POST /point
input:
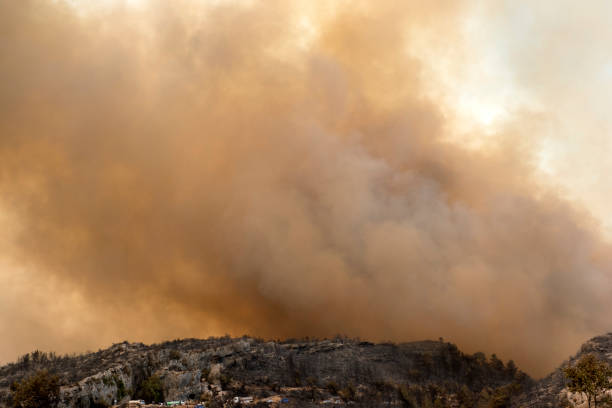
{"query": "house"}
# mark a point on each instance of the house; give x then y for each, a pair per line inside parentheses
(243, 400)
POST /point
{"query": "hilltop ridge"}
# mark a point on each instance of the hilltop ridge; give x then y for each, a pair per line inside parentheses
(551, 391)
(308, 372)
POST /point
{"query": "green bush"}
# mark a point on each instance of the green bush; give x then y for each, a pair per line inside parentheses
(466, 396)
(121, 391)
(151, 389)
(39, 390)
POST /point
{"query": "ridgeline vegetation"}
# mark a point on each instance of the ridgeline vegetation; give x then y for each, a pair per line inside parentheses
(307, 371)
(589, 376)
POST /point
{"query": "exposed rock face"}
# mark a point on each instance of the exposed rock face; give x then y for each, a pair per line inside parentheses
(552, 390)
(309, 372)
(306, 371)
(102, 387)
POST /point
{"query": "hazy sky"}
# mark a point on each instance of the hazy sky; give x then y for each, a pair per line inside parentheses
(382, 169)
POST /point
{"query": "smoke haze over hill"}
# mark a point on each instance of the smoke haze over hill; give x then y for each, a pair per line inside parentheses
(192, 168)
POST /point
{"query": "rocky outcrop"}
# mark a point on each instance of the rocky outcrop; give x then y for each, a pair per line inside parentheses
(309, 371)
(552, 390)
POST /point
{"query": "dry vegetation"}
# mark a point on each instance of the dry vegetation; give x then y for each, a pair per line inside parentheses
(306, 371)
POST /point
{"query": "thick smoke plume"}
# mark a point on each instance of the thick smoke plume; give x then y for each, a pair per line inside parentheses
(192, 169)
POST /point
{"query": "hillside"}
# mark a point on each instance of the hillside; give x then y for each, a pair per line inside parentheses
(307, 372)
(551, 391)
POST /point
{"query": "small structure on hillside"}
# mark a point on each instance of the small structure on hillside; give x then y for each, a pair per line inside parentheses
(243, 400)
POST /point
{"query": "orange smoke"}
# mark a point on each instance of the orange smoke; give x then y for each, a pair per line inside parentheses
(192, 169)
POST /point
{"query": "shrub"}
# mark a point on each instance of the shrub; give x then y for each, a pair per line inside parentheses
(348, 393)
(332, 386)
(39, 390)
(465, 396)
(151, 389)
(225, 380)
(409, 396)
(174, 355)
(121, 391)
(312, 381)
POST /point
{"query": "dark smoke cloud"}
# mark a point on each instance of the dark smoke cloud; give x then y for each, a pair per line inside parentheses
(191, 170)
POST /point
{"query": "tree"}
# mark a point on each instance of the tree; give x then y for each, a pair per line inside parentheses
(39, 390)
(151, 389)
(589, 376)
